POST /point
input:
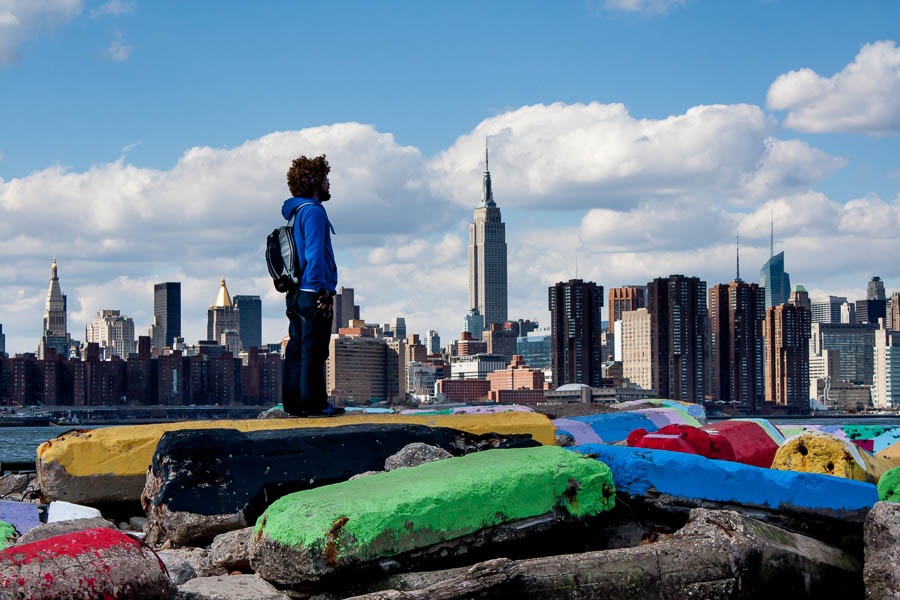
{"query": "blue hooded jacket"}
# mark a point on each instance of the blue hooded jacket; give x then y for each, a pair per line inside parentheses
(312, 233)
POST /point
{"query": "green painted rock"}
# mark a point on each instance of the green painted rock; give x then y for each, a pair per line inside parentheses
(889, 486)
(311, 534)
(7, 534)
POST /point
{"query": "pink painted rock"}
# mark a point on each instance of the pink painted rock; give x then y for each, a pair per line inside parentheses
(94, 563)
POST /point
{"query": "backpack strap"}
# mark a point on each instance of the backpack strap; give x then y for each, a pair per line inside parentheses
(297, 210)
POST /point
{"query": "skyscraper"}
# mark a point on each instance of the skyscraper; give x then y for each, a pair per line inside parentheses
(166, 314)
(635, 336)
(622, 300)
(886, 380)
(772, 277)
(55, 333)
(222, 318)
(827, 310)
(2, 340)
(575, 326)
(487, 257)
(112, 332)
(736, 316)
(677, 306)
(787, 333)
(399, 328)
(249, 309)
(433, 342)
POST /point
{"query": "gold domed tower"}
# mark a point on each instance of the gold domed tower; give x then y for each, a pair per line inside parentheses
(222, 323)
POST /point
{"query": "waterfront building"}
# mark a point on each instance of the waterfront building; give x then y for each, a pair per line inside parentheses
(55, 336)
(517, 376)
(854, 342)
(886, 377)
(827, 310)
(787, 331)
(476, 366)
(487, 257)
(635, 337)
(222, 317)
(166, 315)
(422, 377)
(677, 307)
(824, 372)
(357, 369)
(576, 327)
(736, 315)
(112, 332)
(622, 300)
(249, 310)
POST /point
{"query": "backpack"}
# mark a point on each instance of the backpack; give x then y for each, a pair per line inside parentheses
(281, 255)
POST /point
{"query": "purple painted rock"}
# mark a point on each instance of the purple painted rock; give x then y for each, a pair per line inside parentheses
(95, 563)
(21, 515)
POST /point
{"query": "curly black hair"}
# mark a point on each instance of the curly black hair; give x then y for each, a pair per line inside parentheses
(305, 175)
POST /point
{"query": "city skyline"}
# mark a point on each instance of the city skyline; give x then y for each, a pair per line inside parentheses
(614, 171)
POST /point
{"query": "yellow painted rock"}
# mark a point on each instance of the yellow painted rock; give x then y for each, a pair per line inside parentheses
(891, 454)
(817, 452)
(109, 464)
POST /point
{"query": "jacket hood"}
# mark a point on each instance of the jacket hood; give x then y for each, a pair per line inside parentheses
(291, 204)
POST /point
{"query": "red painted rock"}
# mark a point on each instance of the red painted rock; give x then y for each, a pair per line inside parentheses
(95, 563)
(685, 438)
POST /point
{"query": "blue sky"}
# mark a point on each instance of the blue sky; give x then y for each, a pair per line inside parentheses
(147, 141)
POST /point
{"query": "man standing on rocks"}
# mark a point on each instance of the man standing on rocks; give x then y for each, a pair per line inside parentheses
(309, 306)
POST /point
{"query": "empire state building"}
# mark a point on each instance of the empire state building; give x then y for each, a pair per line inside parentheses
(487, 257)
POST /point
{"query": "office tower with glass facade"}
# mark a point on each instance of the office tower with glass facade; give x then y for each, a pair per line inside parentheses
(474, 323)
(166, 314)
(487, 257)
(736, 315)
(433, 342)
(249, 309)
(677, 307)
(575, 325)
(776, 282)
(854, 342)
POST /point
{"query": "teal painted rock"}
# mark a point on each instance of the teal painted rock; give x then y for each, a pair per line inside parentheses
(889, 486)
(311, 534)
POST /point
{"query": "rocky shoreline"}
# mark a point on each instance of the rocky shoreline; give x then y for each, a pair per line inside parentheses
(427, 510)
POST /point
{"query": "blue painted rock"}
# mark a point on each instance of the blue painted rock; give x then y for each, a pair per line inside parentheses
(692, 480)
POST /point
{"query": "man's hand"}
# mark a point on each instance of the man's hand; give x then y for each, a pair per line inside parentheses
(324, 300)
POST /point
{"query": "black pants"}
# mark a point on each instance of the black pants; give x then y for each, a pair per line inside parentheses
(303, 388)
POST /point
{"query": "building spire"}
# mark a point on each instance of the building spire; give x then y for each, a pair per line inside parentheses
(772, 236)
(487, 194)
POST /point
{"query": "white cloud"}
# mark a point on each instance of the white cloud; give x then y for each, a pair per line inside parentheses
(576, 156)
(118, 50)
(21, 20)
(113, 8)
(645, 7)
(862, 98)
